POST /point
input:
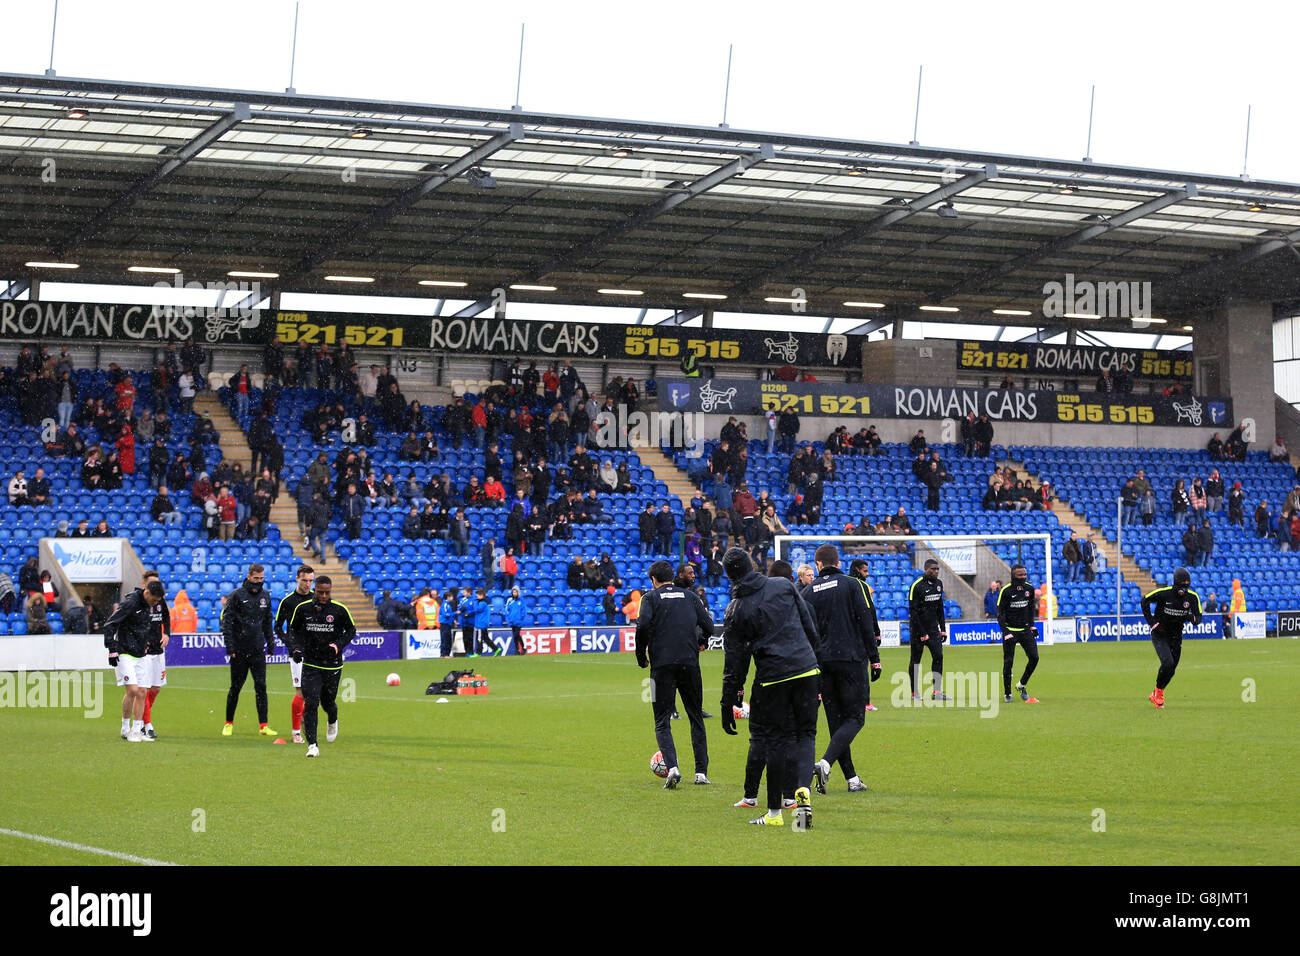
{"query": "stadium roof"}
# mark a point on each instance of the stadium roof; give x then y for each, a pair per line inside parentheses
(211, 181)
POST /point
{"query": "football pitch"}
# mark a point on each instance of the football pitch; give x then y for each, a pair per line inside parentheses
(553, 768)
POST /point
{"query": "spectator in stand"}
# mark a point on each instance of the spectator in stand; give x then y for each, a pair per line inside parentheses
(900, 521)
(917, 446)
(509, 569)
(1140, 482)
(320, 523)
(665, 528)
(722, 527)
(1105, 384)
(102, 530)
(411, 527)
(1276, 453)
(1073, 556)
(227, 506)
(769, 420)
(1206, 543)
(18, 490)
(38, 489)
(646, 528)
(1179, 501)
(787, 427)
(241, 385)
(795, 512)
(1129, 501)
(968, 434)
(458, 533)
(1089, 551)
(991, 599)
(826, 467)
(1191, 545)
(1214, 447)
(250, 529)
(934, 480)
(353, 506)
(746, 508)
(1214, 493)
(1147, 508)
(1263, 520)
(1212, 605)
(992, 497)
(162, 509)
(1236, 505)
(125, 396)
(1199, 500)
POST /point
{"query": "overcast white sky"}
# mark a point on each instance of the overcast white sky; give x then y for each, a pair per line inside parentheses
(1173, 80)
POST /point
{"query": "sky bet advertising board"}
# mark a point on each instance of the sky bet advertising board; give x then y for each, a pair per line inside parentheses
(1133, 627)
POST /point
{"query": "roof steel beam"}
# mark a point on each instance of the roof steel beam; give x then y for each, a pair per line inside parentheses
(174, 162)
(1048, 249)
(358, 228)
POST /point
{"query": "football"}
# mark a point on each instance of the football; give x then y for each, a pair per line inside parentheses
(657, 764)
(394, 680)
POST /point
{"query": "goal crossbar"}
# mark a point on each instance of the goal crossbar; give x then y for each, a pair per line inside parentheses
(935, 542)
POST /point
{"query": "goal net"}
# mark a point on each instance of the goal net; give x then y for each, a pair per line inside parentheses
(968, 565)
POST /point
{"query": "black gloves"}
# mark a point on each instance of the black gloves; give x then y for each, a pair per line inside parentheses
(728, 719)
(642, 662)
(875, 672)
(112, 658)
(296, 655)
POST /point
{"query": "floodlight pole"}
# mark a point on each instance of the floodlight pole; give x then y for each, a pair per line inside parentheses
(1092, 101)
(293, 51)
(1247, 154)
(916, 118)
(519, 70)
(726, 90)
(54, 27)
(1119, 578)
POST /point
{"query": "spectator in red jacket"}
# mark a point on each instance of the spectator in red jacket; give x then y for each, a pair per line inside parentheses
(125, 391)
(496, 493)
(126, 450)
(509, 568)
(227, 507)
(478, 417)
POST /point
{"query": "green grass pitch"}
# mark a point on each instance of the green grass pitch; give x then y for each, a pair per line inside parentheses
(553, 768)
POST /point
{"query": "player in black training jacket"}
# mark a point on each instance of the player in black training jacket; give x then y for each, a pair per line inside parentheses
(1017, 611)
(301, 594)
(768, 621)
(318, 632)
(928, 627)
(1168, 610)
(756, 760)
(846, 639)
(671, 630)
(126, 636)
(858, 571)
(247, 631)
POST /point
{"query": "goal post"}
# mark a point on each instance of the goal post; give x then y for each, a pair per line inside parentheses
(958, 551)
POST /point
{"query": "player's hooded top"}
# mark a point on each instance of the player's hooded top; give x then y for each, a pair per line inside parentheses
(246, 620)
(160, 622)
(844, 620)
(871, 607)
(1016, 607)
(127, 629)
(1167, 610)
(925, 606)
(769, 621)
(315, 626)
(288, 604)
(666, 627)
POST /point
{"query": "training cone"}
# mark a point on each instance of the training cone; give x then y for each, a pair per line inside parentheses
(279, 740)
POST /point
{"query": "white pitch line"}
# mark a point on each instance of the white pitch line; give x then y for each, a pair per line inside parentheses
(425, 698)
(126, 857)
